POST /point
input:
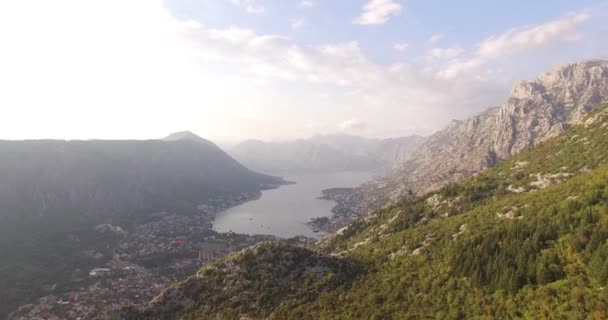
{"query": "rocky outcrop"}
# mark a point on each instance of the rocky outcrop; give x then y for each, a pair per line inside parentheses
(535, 110)
(543, 108)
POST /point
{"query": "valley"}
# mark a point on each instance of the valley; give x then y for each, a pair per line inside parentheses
(135, 229)
(127, 260)
(303, 160)
(134, 265)
(518, 234)
(499, 244)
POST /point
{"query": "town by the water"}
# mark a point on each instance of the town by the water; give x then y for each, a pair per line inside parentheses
(142, 263)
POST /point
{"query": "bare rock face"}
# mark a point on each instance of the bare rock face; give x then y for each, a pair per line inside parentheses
(536, 110)
(543, 108)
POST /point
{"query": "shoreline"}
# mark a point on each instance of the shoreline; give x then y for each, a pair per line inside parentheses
(143, 260)
(342, 214)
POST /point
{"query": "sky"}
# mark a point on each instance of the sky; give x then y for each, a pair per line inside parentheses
(230, 70)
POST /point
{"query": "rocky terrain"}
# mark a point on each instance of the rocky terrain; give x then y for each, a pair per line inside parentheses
(535, 110)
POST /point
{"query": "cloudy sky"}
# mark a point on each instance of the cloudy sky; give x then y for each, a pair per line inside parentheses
(274, 69)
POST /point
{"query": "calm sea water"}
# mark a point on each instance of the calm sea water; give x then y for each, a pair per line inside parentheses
(284, 211)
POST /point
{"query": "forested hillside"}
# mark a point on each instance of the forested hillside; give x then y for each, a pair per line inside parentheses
(525, 239)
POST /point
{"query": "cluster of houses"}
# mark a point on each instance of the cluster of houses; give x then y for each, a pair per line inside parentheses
(177, 244)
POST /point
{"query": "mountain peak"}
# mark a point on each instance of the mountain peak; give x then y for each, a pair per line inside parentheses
(581, 73)
(184, 136)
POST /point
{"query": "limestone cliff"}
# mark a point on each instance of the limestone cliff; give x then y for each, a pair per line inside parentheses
(534, 111)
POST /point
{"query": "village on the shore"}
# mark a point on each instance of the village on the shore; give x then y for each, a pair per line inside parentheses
(142, 263)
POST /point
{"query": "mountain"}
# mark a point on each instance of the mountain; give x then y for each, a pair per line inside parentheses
(186, 136)
(324, 153)
(55, 196)
(535, 110)
(525, 239)
(108, 178)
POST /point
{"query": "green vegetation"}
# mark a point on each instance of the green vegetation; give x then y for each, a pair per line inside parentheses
(498, 245)
(526, 239)
(253, 282)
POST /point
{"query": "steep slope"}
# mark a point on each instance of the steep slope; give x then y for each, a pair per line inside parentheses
(525, 239)
(535, 111)
(325, 153)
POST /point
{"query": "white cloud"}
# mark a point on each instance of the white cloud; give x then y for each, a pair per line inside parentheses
(306, 3)
(400, 46)
(353, 125)
(378, 12)
(520, 40)
(435, 38)
(531, 37)
(297, 24)
(279, 57)
(68, 73)
(445, 53)
(250, 6)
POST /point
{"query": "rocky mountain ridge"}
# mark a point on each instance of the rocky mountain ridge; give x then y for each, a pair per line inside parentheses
(535, 111)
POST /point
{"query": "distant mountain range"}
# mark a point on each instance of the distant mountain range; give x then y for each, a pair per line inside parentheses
(325, 153)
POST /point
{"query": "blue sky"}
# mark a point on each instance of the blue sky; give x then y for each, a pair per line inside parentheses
(275, 69)
(330, 21)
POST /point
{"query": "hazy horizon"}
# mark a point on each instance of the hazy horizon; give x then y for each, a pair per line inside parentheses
(233, 70)
(223, 143)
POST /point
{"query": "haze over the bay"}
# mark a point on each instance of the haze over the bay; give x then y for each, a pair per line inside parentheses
(236, 69)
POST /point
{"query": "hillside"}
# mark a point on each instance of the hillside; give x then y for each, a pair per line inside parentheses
(252, 282)
(325, 153)
(535, 110)
(54, 193)
(525, 239)
(105, 178)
